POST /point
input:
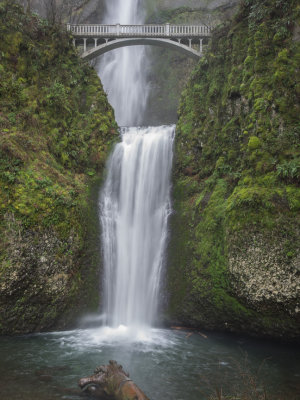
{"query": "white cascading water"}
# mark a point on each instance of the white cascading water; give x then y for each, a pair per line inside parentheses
(135, 200)
(135, 205)
(123, 71)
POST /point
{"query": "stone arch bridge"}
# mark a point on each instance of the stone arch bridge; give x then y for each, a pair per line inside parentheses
(99, 39)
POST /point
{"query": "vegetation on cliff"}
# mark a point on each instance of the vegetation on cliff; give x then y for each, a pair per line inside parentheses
(56, 129)
(169, 70)
(234, 262)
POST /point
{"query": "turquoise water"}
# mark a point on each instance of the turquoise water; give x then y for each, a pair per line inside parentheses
(166, 364)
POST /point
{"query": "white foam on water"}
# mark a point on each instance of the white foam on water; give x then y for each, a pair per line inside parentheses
(82, 340)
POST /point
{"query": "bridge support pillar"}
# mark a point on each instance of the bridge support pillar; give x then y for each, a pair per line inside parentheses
(168, 29)
(96, 41)
(179, 40)
(190, 43)
(84, 44)
(201, 45)
(74, 42)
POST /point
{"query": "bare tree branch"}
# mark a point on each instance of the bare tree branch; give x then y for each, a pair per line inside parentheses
(57, 11)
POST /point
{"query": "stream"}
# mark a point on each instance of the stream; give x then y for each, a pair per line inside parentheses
(166, 364)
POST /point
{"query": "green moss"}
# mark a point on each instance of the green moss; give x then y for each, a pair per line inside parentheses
(293, 197)
(57, 130)
(170, 70)
(238, 142)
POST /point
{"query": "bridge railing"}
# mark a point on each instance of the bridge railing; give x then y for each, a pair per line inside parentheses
(152, 30)
(142, 30)
(188, 30)
(91, 30)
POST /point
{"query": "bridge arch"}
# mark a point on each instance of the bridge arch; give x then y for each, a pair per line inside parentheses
(118, 43)
(176, 37)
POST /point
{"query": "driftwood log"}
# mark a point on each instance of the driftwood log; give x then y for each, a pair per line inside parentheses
(113, 382)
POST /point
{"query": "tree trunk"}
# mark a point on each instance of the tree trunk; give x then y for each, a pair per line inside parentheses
(112, 380)
(28, 9)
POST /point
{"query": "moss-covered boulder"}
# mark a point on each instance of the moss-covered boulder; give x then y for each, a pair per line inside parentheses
(234, 255)
(56, 130)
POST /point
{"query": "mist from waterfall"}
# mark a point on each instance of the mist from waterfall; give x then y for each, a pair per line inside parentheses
(122, 71)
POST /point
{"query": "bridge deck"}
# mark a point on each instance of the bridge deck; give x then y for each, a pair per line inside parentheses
(140, 31)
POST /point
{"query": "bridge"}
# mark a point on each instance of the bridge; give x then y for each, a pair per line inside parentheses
(99, 39)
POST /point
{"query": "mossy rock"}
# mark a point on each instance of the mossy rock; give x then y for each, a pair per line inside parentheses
(57, 129)
(233, 254)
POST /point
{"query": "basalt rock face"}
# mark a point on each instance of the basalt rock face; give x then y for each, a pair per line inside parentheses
(192, 4)
(63, 10)
(234, 257)
(168, 70)
(57, 129)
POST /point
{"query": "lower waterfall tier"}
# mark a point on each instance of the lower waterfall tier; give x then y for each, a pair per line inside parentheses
(134, 210)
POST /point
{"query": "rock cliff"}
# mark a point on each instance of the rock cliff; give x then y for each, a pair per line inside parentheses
(56, 132)
(169, 71)
(234, 255)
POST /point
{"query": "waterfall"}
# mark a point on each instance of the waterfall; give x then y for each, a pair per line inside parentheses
(135, 200)
(122, 71)
(135, 204)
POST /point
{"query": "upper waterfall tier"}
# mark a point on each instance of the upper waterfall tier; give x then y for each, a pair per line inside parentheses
(123, 71)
